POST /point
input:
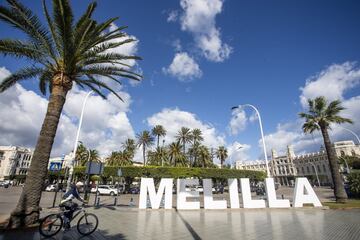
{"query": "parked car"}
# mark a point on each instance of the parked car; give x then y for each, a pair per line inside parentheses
(105, 190)
(51, 188)
(5, 183)
(134, 190)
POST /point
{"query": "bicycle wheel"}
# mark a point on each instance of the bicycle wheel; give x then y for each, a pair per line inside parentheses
(87, 224)
(50, 225)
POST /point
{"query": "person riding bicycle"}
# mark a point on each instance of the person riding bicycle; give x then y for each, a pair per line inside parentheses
(69, 205)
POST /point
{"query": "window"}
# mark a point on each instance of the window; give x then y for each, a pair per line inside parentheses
(302, 170)
(342, 153)
(324, 168)
(307, 169)
(318, 168)
(313, 169)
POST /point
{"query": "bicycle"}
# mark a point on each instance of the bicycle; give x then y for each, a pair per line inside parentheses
(53, 223)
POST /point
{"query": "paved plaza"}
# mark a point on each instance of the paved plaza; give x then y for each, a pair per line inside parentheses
(126, 223)
(123, 222)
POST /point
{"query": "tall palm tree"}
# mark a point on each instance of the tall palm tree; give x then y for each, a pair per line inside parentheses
(158, 131)
(144, 140)
(197, 138)
(60, 55)
(184, 136)
(158, 157)
(205, 156)
(118, 159)
(319, 117)
(177, 158)
(129, 147)
(82, 154)
(222, 154)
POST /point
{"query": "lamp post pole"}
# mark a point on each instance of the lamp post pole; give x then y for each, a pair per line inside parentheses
(71, 167)
(262, 134)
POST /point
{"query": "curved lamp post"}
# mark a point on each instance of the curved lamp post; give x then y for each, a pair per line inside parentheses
(353, 133)
(262, 133)
(71, 169)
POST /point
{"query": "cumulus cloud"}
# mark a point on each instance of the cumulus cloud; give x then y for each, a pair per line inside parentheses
(198, 18)
(105, 123)
(332, 82)
(238, 121)
(184, 68)
(174, 119)
(4, 73)
(173, 16)
(238, 152)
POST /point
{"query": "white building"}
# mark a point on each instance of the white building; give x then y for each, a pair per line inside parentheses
(14, 161)
(315, 165)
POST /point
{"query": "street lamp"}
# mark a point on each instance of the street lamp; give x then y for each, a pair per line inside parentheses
(71, 169)
(262, 133)
(88, 175)
(317, 176)
(353, 133)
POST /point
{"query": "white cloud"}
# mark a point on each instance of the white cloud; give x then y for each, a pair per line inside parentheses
(238, 152)
(199, 19)
(183, 67)
(177, 45)
(332, 82)
(4, 73)
(174, 119)
(173, 16)
(105, 123)
(238, 121)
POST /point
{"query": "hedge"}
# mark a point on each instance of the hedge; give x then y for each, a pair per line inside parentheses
(354, 183)
(177, 172)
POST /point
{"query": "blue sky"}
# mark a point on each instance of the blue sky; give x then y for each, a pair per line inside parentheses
(261, 52)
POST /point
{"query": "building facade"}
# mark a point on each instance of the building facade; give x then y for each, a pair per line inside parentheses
(14, 161)
(314, 166)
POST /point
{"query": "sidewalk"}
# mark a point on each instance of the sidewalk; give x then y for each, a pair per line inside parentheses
(132, 223)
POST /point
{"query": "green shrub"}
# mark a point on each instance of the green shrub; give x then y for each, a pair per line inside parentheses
(354, 183)
(178, 172)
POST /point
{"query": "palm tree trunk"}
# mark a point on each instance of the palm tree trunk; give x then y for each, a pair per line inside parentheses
(144, 155)
(221, 163)
(339, 190)
(158, 141)
(27, 210)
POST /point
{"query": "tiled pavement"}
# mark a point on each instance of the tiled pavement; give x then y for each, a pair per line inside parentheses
(131, 223)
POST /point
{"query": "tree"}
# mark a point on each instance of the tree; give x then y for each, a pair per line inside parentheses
(197, 138)
(177, 158)
(129, 147)
(319, 117)
(158, 131)
(222, 154)
(204, 157)
(120, 158)
(158, 157)
(184, 136)
(60, 55)
(144, 140)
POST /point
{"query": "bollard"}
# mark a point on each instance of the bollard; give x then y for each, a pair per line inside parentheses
(282, 196)
(98, 201)
(115, 201)
(131, 203)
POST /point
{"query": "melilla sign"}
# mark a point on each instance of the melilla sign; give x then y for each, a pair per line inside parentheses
(303, 194)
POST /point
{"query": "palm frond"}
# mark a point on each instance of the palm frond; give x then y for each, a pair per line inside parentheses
(22, 74)
(20, 49)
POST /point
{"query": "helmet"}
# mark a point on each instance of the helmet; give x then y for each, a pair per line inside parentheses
(79, 184)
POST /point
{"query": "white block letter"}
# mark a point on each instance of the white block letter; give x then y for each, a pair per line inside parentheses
(271, 195)
(234, 193)
(147, 185)
(182, 194)
(246, 195)
(300, 197)
(209, 202)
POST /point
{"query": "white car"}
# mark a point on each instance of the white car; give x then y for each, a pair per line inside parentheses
(50, 188)
(105, 190)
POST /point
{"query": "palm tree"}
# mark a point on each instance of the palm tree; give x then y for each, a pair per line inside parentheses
(144, 140)
(319, 117)
(129, 147)
(184, 136)
(222, 154)
(62, 54)
(118, 159)
(158, 157)
(82, 154)
(197, 138)
(205, 156)
(177, 158)
(158, 131)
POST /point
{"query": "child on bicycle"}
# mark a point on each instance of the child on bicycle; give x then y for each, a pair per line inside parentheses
(69, 204)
